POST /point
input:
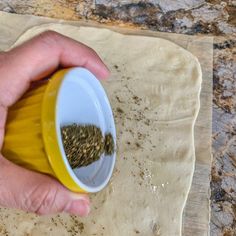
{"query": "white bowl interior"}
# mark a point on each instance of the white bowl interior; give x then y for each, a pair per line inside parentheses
(82, 100)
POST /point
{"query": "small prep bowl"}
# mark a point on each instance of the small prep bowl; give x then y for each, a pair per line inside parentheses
(33, 130)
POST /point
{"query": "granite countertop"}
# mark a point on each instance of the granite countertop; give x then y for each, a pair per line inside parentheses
(213, 17)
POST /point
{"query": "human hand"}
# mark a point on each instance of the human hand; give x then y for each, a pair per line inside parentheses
(21, 188)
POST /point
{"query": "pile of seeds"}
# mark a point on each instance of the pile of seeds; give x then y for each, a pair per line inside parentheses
(84, 144)
(108, 144)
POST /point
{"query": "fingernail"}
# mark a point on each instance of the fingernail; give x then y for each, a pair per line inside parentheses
(79, 196)
(79, 207)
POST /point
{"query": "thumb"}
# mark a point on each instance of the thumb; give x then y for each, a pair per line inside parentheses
(34, 192)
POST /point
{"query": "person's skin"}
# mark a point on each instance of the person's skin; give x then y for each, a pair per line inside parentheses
(21, 188)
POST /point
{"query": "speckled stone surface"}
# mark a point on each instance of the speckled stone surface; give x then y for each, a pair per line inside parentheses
(211, 17)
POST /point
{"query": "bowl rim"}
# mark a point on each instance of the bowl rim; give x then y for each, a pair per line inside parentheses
(92, 79)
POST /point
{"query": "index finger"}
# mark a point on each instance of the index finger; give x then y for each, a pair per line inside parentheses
(39, 57)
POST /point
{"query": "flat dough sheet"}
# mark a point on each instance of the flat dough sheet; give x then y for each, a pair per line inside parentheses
(154, 91)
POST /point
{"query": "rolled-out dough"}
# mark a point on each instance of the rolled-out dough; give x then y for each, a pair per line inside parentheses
(154, 91)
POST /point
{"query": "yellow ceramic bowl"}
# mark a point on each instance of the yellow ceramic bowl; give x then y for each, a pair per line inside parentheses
(33, 135)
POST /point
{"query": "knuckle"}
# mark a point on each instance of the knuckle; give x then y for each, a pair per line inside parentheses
(40, 201)
(29, 204)
(49, 37)
(49, 34)
(47, 203)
